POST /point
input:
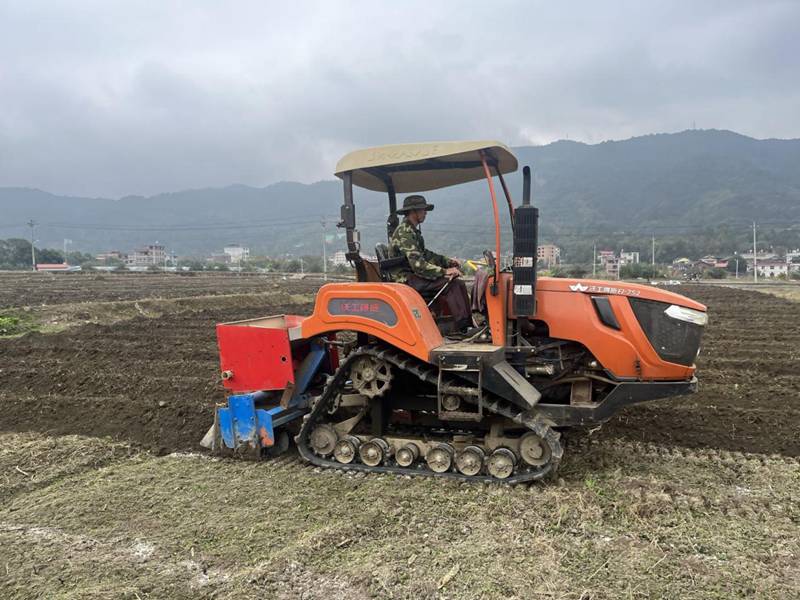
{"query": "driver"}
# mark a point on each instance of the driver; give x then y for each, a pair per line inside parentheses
(426, 271)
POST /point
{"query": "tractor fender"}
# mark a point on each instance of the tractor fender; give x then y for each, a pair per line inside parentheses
(392, 312)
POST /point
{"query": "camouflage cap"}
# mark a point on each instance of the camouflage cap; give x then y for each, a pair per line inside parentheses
(414, 202)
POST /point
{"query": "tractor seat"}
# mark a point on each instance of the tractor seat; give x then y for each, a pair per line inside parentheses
(382, 252)
(386, 264)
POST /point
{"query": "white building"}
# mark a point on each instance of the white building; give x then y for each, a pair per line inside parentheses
(629, 258)
(338, 258)
(153, 254)
(772, 268)
(610, 262)
(549, 254)
(237, 253)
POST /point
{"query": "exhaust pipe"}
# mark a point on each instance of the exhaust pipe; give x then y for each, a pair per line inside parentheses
(526, 242)
(526, 186)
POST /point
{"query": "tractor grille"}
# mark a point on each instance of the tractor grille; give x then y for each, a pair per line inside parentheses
(674, 340)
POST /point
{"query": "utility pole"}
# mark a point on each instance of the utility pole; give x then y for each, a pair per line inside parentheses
(301, 266)
(32, 224)
(755, 258)
(594, 260)
(653, 256)
(324, 252)
(66, 241)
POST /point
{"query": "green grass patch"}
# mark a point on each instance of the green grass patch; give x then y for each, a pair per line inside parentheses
(16, 324)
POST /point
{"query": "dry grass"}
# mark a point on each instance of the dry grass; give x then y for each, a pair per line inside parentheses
(785, 290)
(670, 524)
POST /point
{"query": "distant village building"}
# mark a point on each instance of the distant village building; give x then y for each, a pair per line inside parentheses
(610, 262)
(711, 262)
(237, 253)
(220, 259)
(549, 255)
(629, 258)
(111, 255)
(56, 267)
(793, 257)
(772, 268)
(762, 255)
(681, 264)
(338, 258)
(153, 254)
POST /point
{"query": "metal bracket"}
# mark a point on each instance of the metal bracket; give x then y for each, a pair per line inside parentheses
(458, 415)
(242, 425)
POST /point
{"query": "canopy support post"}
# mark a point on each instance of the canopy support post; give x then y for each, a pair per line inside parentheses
(488, 174)
(348, 221)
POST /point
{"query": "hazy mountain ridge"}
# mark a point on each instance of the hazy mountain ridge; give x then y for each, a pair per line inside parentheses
(693, 178)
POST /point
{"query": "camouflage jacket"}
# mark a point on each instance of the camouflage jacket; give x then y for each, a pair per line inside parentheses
(407, 241)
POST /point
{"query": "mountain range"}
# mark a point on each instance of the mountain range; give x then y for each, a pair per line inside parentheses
(670, 185)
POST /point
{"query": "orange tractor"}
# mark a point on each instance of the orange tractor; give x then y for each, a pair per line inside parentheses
(369, 382)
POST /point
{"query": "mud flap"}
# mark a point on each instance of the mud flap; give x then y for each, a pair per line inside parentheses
(508, 383)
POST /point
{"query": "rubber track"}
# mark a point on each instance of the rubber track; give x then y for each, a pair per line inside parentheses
(429, 375)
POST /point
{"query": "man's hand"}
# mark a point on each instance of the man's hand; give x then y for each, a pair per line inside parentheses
(452, 272)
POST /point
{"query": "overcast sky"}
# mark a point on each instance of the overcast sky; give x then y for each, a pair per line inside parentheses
(113, 98)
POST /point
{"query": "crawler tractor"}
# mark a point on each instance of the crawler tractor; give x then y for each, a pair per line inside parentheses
(369, 381)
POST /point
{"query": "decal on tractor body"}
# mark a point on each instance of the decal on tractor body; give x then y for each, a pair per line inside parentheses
(369, 308)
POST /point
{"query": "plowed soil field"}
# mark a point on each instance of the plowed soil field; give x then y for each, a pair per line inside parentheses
(105, 493)
(35, 289)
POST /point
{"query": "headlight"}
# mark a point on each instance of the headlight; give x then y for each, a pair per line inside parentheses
(687, 314)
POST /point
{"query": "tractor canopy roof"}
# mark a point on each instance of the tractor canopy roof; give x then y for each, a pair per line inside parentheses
(424, 166)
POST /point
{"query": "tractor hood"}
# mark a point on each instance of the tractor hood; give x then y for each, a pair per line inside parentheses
(598, 287)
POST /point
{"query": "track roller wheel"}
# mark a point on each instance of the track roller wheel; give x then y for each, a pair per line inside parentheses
(470, 460)
(323, 439)
(374, 452)
(501, 463)
(451, 402)
(407, 455)
(534, 450)
(440, 458)
(346, 449)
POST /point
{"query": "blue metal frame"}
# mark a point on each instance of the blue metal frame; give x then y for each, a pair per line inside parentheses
(309, 367)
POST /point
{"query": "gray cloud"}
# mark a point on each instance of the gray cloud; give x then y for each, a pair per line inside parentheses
(115, 98)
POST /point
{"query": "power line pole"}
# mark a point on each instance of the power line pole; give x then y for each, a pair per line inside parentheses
(66, 241)
(653, 256)
(324, 252)
(32, 224)
(755, 257)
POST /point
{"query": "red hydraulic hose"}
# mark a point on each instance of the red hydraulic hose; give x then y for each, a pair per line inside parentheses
(508, 195)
